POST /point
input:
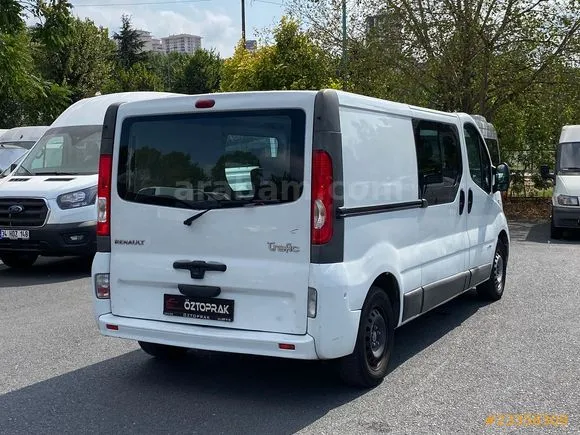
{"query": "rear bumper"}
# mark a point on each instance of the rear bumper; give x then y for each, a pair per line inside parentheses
(55, 240)
(566, 217)
(215, 339)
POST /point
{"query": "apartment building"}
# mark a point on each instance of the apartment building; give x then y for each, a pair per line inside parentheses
(182, 43)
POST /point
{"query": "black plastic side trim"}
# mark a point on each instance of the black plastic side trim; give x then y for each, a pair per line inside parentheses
(382, 208)
(327, 137)
(103, 244)
(109, 123)
(412, 304)
(107, 141)
(438, 292)
(479, 275)
(199, 291)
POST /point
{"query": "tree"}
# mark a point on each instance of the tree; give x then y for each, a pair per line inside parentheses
(129, 44)
(71, 52)
(137, 78)
(292, 62)
(169, 67)
(201, 74)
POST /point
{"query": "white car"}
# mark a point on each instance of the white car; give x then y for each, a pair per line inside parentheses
(566, 194)
(47, 203)
(359, 216)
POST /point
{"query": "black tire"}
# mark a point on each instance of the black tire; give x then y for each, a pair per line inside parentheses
(555, 232)
(493, 288)
(163, 351)
(19, 261)
(368, 364)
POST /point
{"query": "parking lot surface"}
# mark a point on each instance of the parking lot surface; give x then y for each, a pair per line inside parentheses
(451, 369)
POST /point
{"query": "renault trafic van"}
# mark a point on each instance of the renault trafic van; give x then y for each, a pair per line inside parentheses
(566, 179)
(47, 204)
(296, 224)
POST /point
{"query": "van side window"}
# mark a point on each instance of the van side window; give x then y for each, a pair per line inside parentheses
(439, 161)
(478, 156)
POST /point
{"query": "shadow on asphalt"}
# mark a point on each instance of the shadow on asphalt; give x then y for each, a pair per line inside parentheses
(539, 232)
(46, 271)
(207, 392)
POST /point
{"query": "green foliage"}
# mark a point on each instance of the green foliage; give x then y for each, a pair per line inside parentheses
(293, 62)
(200, 75)
(137, 78)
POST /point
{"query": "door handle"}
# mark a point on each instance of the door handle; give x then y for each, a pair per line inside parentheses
(197, 269)
(461, 201)
(469, 200)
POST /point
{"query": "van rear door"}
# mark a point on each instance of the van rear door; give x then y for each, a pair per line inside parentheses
(241, 160)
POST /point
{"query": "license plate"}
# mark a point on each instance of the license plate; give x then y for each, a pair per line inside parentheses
(15, 234)
(199, 308)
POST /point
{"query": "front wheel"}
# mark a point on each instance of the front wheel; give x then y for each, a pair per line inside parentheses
(493, 288)
(19, 261)
(367, 365)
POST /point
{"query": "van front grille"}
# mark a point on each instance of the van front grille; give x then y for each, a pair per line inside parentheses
(22, 212)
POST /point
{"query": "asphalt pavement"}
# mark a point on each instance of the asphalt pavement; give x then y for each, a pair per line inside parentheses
(453, 370)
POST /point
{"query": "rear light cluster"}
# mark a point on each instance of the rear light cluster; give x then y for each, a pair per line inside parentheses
(104, 195)
(102, 286)
(322, 201)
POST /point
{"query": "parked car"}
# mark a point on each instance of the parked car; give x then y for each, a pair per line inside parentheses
(359, 216)
(15, 142)
(47, 204)
(566, 179)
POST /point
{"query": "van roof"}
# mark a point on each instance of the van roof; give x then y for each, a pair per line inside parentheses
(91, 111)
(29, 133)
(570, 133)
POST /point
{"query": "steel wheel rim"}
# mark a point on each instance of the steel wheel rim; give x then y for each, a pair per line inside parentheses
(499, 272)
(376, 338)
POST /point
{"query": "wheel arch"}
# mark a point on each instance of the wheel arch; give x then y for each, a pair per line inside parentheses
(388, 283)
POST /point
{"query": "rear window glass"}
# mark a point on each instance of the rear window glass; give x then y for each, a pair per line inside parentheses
(178, 160)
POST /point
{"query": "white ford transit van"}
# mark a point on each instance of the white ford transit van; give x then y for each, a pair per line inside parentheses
(566, 179)
(297, 224)
(47, 203)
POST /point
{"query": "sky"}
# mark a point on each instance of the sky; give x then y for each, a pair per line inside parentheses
(218, 22)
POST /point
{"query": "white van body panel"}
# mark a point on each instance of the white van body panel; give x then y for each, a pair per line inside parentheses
(418, 248)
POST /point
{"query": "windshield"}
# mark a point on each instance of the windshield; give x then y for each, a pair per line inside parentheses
(194, 159)
(569, 157)
(9, 155)
(65, 150)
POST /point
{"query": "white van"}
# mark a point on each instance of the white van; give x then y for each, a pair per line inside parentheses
(47, 204)
(16, 142)
(361, 215)
(566, 179)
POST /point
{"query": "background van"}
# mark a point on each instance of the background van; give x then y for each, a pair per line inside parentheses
(47, 204)
(566, 178)
(16, 142)
(296, 224)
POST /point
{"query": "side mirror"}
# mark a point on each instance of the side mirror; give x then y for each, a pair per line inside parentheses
(545, 172)
(502, 178)
(13, 166)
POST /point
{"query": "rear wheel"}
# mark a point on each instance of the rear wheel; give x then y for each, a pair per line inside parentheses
(18, 261)
(367, 365)
(163, 351)
(493, 288)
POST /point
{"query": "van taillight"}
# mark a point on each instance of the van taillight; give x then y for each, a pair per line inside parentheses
(322, 201)
(104, 195)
